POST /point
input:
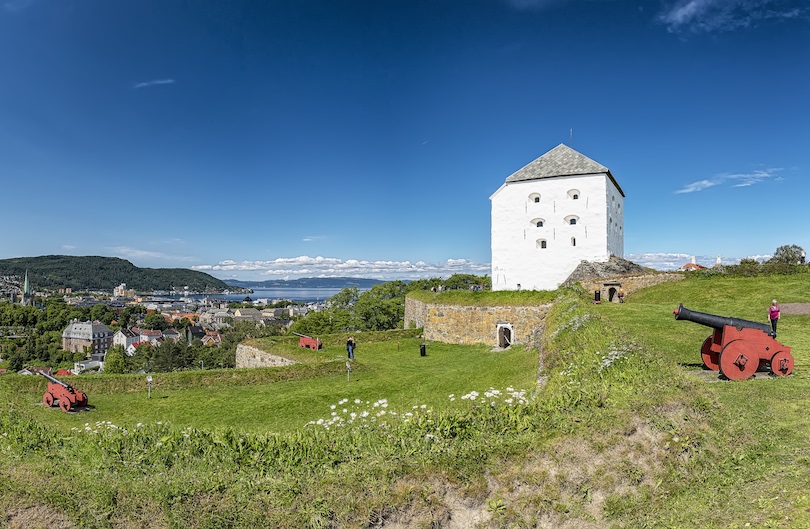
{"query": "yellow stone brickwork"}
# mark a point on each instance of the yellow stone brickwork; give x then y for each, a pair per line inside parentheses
(473, 325)
(628, 284)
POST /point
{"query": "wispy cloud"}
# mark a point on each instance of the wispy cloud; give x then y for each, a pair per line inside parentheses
(305, 266)
(667, 262)
(734, 179)
(153, 83)
(15, 6)
(726, 15)
(126, 252)
(532, 4)
(310, 238)
(68, 247)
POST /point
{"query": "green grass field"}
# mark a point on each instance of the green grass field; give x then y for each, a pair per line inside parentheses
(761, 476)
(627, 431)
(391, 370)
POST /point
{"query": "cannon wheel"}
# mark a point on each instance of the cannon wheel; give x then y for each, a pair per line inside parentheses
(711, 360)
(81, 402)
(739, 360)
(782, 364)
(64, 404)
(47, 399)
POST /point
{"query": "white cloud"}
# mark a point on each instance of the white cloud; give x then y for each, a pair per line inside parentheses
(305, 266)
(667, 262)
(153, 83)
(726, 15)
(126, 252)
(735, 179)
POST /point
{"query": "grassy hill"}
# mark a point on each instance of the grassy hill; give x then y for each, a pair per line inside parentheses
(104, 273)
(624, 430)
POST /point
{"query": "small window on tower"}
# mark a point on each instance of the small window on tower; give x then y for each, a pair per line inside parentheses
(573, 241)
(571, 219)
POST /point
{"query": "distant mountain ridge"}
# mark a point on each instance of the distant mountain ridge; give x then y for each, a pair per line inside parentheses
(308, 282)
(105, 273)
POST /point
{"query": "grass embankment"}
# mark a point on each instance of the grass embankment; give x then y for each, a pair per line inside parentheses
(759, 435)
(485, 298)
(620, 435)
(387, 366)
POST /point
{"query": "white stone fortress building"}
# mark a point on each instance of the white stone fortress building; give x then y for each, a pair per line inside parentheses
(561, 209)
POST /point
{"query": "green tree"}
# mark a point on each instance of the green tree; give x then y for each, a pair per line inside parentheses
(790, 255)
(747, 267)
(164, 357)
(381, 308)
(129, 316)
(103, 313)
(344, 300)
(182, 323)
(155, 321)
(16, 360)
(114, 360)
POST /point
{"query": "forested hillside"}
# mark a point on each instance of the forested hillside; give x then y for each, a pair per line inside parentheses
(104, 273)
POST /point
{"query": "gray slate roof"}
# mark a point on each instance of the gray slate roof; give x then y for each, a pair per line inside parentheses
(561, 161)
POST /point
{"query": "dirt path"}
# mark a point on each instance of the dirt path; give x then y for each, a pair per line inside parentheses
(795, 308)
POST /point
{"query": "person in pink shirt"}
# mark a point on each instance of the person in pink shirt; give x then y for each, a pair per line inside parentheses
(773, 315)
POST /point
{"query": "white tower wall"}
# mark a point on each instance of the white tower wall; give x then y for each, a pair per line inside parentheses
(519, 260)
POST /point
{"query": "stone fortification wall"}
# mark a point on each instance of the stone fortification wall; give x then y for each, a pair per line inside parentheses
(627, 283)
(474, 325)
(249, 356)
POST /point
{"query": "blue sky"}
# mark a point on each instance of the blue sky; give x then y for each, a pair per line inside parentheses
(280, 139)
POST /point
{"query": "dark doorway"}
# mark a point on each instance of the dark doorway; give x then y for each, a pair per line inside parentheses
(504, 336)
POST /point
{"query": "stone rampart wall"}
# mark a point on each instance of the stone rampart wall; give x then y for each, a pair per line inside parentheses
(249, 356)
(628, 284)
(474, 325)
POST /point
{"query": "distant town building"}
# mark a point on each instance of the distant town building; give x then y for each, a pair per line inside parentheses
(691, 267)
(125, 338)
(171, 334)
(559, 210)
(121, 291)
(27, 295)
(95, 361)
(91, 337)
(194, 331)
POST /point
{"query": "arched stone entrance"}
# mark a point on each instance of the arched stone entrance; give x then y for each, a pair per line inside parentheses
(613, 289)
(505, 335)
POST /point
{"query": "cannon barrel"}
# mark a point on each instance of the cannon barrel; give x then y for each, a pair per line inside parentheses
(718, 322)
(56, 381)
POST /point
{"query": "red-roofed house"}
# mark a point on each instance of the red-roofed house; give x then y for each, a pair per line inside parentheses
(691, 267)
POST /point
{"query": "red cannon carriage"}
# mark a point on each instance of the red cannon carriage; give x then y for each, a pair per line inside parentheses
(739, 348)
(63, 394)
